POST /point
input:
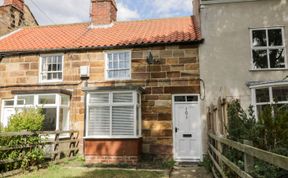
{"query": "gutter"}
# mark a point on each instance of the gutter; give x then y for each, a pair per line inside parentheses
(212, 2)
(16, 53)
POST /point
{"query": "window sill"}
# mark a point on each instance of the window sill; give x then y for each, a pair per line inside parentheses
(268, 70)
(110, 138)
(49, 82)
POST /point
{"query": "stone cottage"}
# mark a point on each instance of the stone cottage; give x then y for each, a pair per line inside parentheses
(131, 88)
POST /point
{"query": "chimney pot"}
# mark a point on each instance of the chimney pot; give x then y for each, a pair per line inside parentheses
(104, 12)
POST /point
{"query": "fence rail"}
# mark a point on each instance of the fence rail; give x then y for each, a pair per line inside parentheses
(271, 158)
(60, 144)
(217, 121)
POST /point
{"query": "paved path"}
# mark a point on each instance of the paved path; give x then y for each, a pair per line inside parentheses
(190, 172)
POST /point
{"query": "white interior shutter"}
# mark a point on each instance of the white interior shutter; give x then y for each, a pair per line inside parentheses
(99, 121)
(123, 120)
(123, 97)
(99, 98)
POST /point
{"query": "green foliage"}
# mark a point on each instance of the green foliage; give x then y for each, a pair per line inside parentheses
(27, 120)
(207, 163)
(240, 125)
(268, 133)
(31, 154)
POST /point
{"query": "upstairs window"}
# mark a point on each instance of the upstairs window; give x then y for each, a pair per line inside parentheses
(51, 68)
(268, 48)
(118, 65)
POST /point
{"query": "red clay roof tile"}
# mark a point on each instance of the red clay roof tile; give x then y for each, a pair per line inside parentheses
(73, 36)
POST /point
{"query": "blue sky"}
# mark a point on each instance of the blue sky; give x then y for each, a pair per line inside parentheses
(73, 11)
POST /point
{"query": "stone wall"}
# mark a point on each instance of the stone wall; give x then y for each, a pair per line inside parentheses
(176, 71)
(12, 18)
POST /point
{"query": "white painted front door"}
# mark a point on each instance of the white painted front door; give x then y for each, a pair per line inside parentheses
(187, 129)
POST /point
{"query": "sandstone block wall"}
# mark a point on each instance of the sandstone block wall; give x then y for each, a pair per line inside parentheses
(176, 71)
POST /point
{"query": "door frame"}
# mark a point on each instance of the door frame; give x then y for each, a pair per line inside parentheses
(174, 121)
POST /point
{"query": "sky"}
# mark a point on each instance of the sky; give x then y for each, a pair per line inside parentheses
(73, 11)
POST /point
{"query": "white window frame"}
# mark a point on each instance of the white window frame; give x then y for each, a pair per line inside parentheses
(271, 100)
(110, 104)
(41, 72)
(267, 48)
(107, 64)
(36, 104)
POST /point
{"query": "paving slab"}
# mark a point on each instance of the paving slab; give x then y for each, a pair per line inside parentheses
(190, 172)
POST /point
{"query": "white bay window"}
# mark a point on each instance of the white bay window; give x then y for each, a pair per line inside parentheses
(113, 114)
(55, 107)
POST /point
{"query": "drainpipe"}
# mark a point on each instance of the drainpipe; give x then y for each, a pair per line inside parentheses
(85, 114)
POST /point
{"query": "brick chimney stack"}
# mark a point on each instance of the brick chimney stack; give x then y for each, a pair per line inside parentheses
(19, 4)
(104, 12)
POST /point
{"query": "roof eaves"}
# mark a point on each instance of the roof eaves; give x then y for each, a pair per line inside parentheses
(37, 51)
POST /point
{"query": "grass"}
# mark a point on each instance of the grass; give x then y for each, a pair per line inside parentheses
(60, 171)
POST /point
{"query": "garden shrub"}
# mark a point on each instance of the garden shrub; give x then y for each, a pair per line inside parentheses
(269, 132)
(27, 120)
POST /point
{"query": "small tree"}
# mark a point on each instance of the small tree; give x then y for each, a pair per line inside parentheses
(26, 120)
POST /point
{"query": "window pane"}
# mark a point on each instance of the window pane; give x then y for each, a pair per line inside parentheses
(262, 95)
(277, 58)
(261, 108)
(9, 103)
(99, 121)
(275, 37)
(65, 100)
(280, 93)
(49, 123)
(259, 38)
(99, 98)
(122, 60)
(123, 120)
(25, 100)
(180, 98)
(260, 58)
(192, 98)
(47, 99)
(123, 97)
(63, 119)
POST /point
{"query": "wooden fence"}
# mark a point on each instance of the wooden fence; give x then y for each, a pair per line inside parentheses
(217, 120)
(56, 144)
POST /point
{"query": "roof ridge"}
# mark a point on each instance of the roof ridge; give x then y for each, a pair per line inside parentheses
(117, 22)
(155, 19)
(55, 25)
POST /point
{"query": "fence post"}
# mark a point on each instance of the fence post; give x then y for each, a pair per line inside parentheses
(56, 147)
(248, 160)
